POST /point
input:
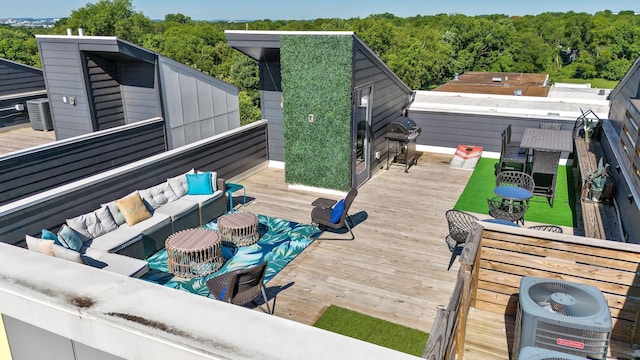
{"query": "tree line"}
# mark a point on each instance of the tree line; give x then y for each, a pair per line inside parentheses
(424, 51)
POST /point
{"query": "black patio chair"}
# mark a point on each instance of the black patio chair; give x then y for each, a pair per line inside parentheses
(544, 170)
(321, 215)
(510, 156)
(500, 208)
(460, 224)
(241, 286)
(511, 143)
(549, 228)
(515, 178)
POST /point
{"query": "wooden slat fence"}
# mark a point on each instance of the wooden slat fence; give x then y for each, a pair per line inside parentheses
(504, 258)
(446, 339)
(497, 257)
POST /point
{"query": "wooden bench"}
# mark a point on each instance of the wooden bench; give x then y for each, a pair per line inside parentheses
(599, 219)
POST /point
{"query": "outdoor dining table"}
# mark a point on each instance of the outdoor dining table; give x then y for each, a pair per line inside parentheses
(547, 140)
(547, 144)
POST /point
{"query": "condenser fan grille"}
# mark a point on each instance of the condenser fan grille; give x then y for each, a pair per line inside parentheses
(563, 299)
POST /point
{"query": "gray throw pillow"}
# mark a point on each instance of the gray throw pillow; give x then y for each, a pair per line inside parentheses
(93, 224)
(158, 195)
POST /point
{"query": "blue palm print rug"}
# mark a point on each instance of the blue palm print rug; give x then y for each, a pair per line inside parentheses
(280, 242)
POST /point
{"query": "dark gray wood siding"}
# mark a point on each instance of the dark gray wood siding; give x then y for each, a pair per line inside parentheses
(29, 172)
(64, 76)
(627, 88)
(629, 212)
(444, 129)
(229, 154)
(270, 105)
(17, 78)
(105, 94)
(390, 96)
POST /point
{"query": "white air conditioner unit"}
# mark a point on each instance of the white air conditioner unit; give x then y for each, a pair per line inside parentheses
(562, 316)
(534, 353)
(40, 114)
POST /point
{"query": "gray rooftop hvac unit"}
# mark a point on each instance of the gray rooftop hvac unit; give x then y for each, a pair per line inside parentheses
(40, 114)
(562, 316)
(534, 353)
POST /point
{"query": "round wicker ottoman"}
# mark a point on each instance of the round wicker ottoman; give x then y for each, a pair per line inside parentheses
(194, 253)
(239, 228)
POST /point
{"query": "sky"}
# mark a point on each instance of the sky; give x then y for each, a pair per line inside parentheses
(312, 9)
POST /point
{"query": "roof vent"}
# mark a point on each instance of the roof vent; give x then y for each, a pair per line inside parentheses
(517, 92)
(80, 32)
(456, 77)
(496, 79)
(69, 32)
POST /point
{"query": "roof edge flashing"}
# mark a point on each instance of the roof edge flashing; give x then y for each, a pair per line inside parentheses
(285, 32)
(77, 36)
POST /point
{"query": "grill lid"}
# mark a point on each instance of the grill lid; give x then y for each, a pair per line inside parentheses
(402, 125)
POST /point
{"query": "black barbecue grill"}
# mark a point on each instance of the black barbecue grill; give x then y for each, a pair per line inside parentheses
(402, 133)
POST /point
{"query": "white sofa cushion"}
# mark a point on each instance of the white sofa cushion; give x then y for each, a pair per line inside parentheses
(93, 224)
(117, 239)
(177, 209)
(150, 225)
(115, 263)
(158, 195)
(202, 200)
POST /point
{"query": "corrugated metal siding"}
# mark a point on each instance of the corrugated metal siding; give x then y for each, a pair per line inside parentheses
(230, 155)
(30, 172)
(271, 110)
(104, 88)
(389, 97)
(64, 77)
(16, 78)
(452, 129)
(197, 106)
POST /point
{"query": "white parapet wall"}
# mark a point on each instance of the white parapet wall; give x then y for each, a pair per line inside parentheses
(135, 319)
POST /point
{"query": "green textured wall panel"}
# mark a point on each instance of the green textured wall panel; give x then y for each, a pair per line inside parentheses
(316, 79)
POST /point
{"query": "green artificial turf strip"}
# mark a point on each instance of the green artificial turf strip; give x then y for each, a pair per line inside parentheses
(482, 182)
(373, 330)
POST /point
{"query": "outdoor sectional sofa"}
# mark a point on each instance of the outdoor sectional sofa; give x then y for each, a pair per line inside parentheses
(123, 232)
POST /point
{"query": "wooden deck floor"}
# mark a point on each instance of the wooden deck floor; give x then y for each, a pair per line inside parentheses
(395, 269)
(22, 137)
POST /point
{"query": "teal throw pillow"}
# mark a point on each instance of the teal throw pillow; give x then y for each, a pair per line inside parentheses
(337, 211)
(48, 235)
(199, 184)
(69, 238)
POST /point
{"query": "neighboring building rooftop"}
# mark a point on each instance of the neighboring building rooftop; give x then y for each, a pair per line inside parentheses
(499, 83)
(567, 103)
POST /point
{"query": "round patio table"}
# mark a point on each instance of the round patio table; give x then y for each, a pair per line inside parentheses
(239, 228)
(194, 253)
(513, 193)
